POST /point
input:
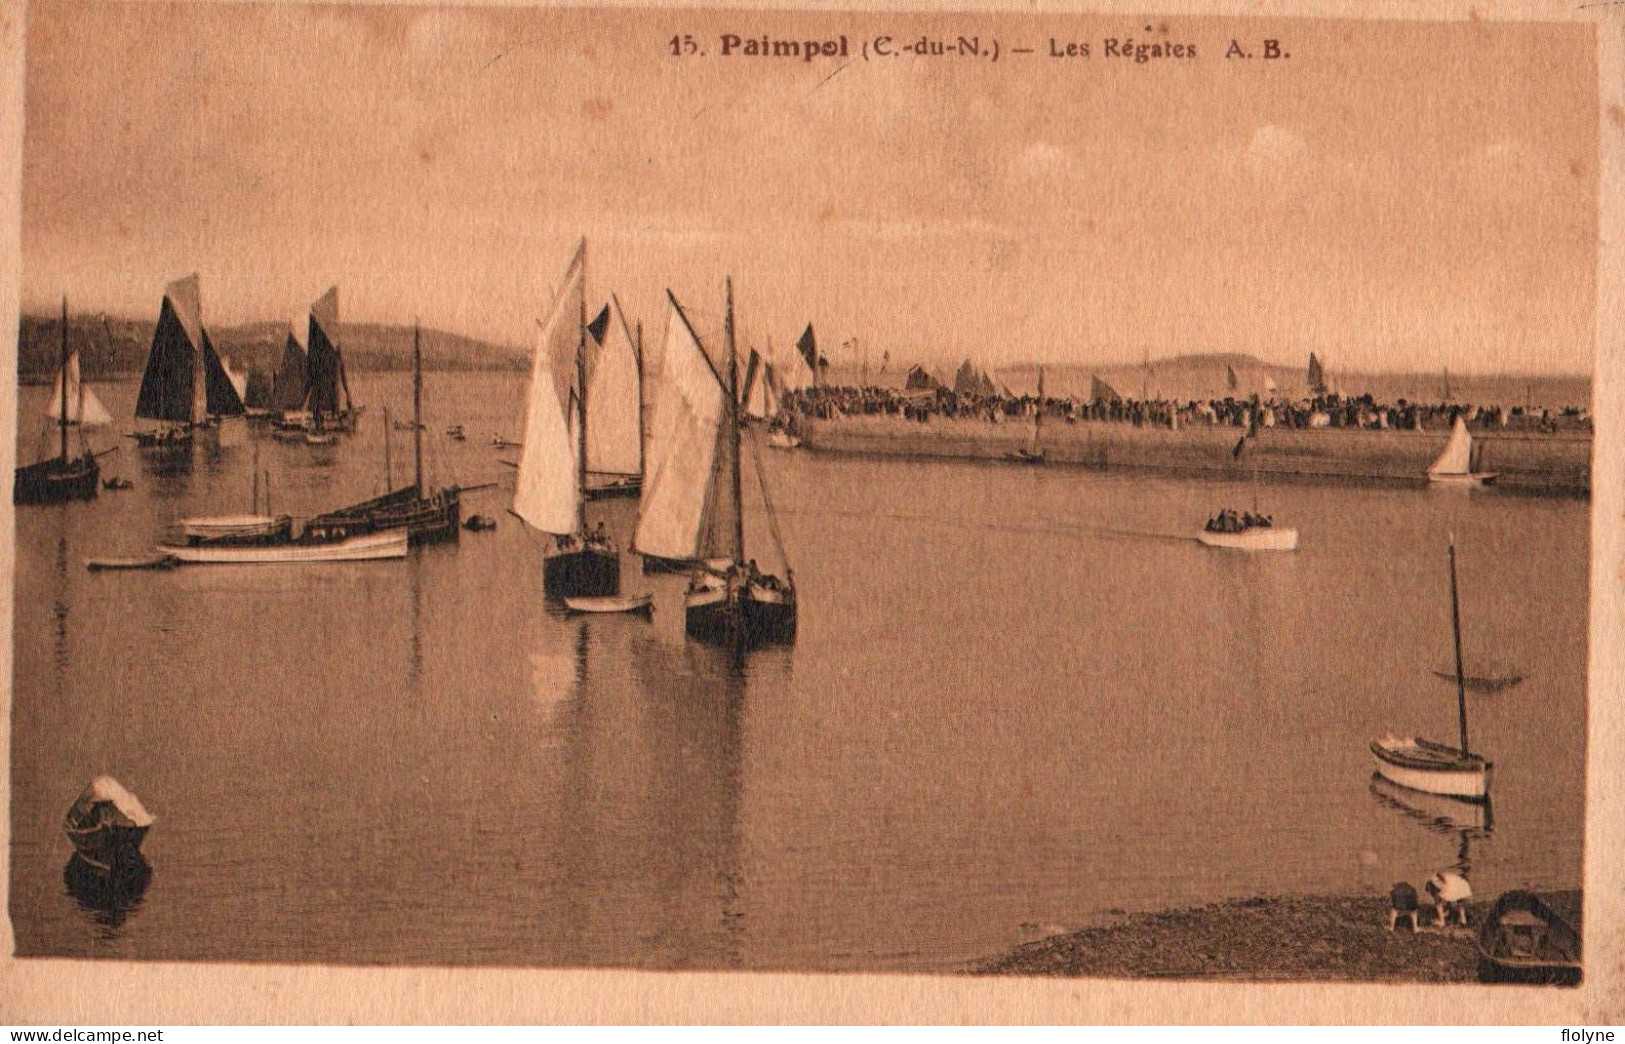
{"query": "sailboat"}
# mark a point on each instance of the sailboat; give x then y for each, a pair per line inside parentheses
(693, 508)
(549, 491)
(62, 478)
(184, 381)
(1438, 768)
(252, 528)
(1033, 454)
(615, 405)
(325, 376)
(1460, 463)
(288, 384)
(425, 516)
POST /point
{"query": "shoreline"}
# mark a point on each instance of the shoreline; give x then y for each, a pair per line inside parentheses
(1315, 938)
(1529, 463)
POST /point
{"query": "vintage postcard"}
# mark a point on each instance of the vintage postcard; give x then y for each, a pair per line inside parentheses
(902, 514)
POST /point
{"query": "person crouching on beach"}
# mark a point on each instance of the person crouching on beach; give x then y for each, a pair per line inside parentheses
(1402, 903)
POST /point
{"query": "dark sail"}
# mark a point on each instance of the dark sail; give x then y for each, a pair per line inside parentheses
(289, 387)
(220, 395)
(167, 385)
(258, 392)
(322, 358)
(1317, 376)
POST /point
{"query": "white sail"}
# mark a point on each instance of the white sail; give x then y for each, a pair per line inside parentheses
(613, 440)
(546, 491)
(683, 448)
(83, 406)
(1457, 456)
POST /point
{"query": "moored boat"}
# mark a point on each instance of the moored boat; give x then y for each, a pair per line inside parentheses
(62, 478)
(247, 529)
(1252, 538)
(641, 604)
(1524, 940)
(1459, 462)
(107, 824)
(363, 548)
(153, 561)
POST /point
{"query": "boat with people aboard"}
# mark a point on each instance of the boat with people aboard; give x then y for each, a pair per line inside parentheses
(61, 478)
(1461, 461)
(1438, 768)
(1247, 531)
(550, 487)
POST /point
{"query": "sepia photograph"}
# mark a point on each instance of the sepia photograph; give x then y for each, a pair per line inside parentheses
(988, 496)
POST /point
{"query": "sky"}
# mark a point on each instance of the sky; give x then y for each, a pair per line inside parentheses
(1393, 196)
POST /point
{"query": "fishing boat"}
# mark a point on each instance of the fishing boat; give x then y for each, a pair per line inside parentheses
(107, 824)
(1524, 940)
(185, 384)
(251, 528)
(642, 604)
(363, 548)
(1034, 453)
(63, 478)
(288, 384)
(1460, 461)
(1438, 768)
(325, 375)
(550, 487)
(693, 507)
(615, 408)
(426, 517)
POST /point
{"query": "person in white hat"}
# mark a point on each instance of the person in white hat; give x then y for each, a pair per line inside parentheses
(1450, 892)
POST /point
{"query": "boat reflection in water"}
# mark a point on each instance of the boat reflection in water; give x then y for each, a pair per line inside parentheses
(1438, 814)
(109, 897)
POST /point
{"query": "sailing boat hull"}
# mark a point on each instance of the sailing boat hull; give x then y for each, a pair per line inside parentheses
(426, 519)
(56, 481)
(610, 487)
(740, 618)
(1476, 478)
(587, 572)
(1433, 768)
(1255, 538)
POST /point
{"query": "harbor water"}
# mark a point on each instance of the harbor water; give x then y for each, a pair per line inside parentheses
(1022, 699)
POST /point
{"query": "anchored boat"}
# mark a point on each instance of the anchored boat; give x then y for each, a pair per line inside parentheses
(185, 384)
(1438, 768)
(62, 478)
(107, 824)
(365, 548)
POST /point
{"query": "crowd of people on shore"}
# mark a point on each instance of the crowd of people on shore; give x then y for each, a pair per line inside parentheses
(1329, 410)
(1227, 520)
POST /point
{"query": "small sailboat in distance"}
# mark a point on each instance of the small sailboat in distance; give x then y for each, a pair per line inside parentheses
(172, 386)
(549, 491)
(61, 478)
(1438, 768)
(1459, 462)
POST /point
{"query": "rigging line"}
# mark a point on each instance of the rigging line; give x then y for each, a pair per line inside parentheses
(767, 501)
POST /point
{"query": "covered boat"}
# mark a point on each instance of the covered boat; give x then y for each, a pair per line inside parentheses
(1458, 463)
(1524, 940)
(107, 824)
(550, 486)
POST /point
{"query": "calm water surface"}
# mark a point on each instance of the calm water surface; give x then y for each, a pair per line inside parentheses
(1021, 698)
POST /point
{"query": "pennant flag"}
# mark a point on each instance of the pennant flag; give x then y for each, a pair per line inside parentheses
(599, 325)
(808, 347)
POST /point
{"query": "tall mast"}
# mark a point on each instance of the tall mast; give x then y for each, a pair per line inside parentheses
(389, 476)
(637, 348)
(417, 409)
(733, 422)
(1455, 627)
(581, 394)
(62, 420)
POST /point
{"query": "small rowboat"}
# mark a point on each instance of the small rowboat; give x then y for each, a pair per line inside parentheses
(1253, 538)
(319, 438)
(154, 561)
(367, 547)
(642, 604)
(1433, 768)
(107, 824)
(1524, 940)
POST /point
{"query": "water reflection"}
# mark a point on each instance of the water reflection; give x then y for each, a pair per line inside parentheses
(1464, 821)
(108, 897)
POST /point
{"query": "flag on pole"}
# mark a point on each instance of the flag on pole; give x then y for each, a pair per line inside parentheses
(808, 346)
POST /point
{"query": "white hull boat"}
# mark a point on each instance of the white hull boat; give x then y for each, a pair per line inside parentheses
(1472, 478)
(235, 527)
(369, 547)
(782, 440)
(643, 603)
(1432, 768)
(1456, 464)
(1256, 538)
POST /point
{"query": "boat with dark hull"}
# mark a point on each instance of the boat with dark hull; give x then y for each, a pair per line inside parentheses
(63, 478)
(107, 824)
(550, 486)
(430, 518)
(1438, 768)
(1524, 940)
(185, 385)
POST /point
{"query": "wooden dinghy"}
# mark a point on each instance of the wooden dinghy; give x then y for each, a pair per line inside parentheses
(153, 561)
(1524, 940)
(107, 824)
(364, 548)
(642, 604)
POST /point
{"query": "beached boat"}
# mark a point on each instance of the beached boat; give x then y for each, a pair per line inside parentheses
(642, 604)
(549, 491)
(1459, 462)
(1524, 940)
(693, 508)
(364, 548)
(62, 478)
(107, 824)
(1252, 538)
(1437, 768)
(1034, 453)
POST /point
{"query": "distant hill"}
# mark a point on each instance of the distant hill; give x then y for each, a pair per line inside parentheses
(119, 349)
